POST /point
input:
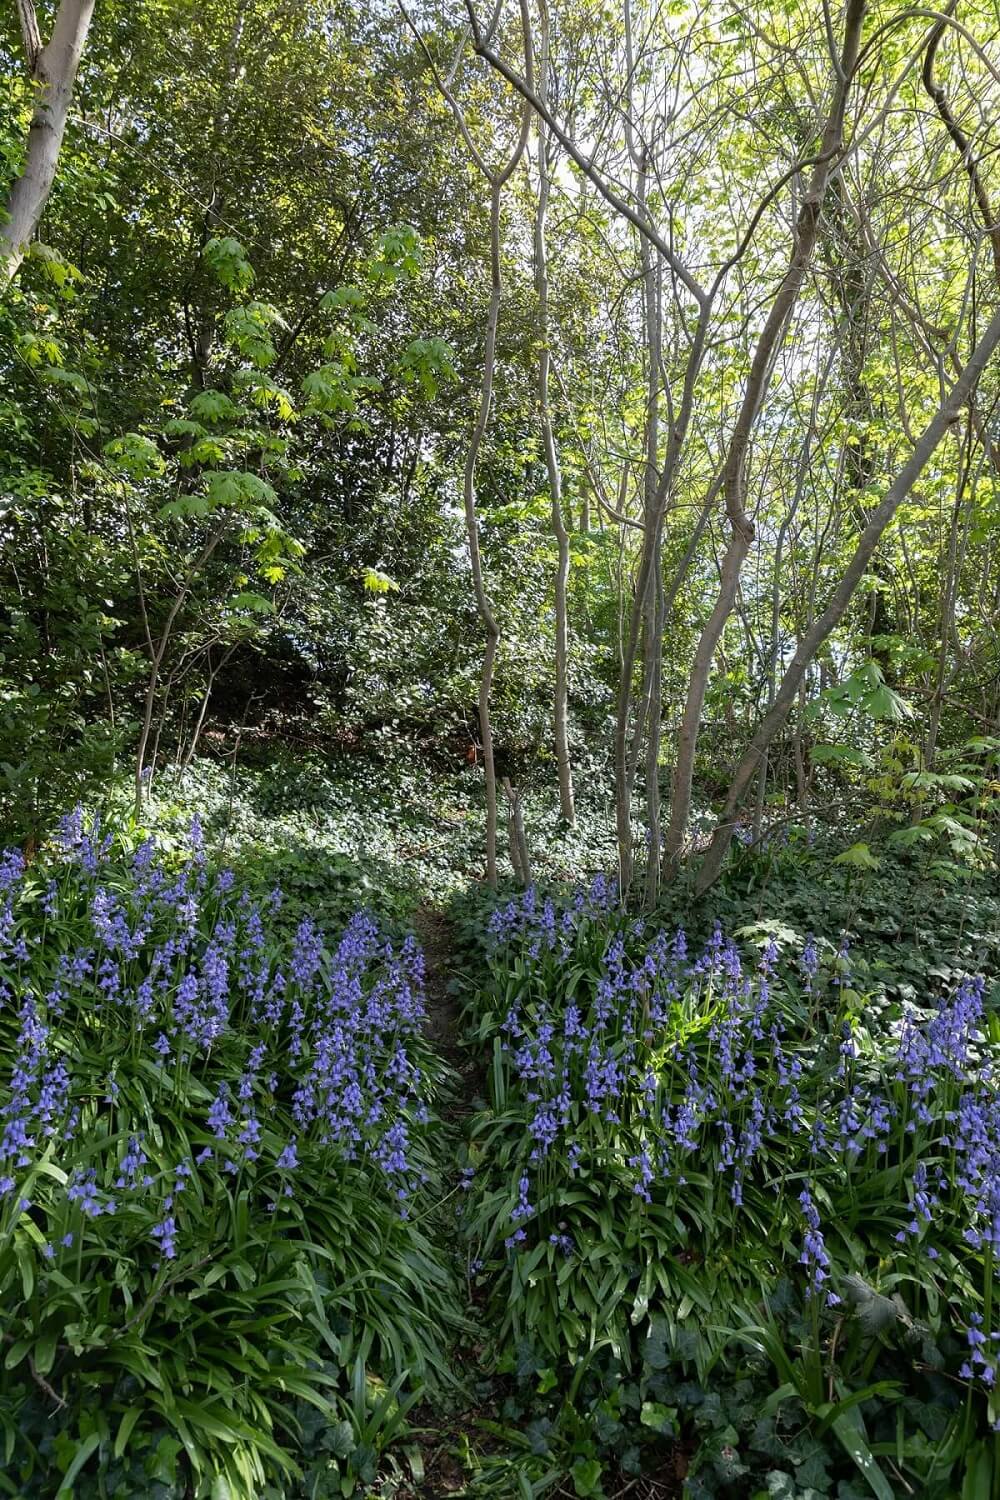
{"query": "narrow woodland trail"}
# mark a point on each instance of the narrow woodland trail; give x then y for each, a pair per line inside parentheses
(448, 1432)
(443, 1431)
(444, 1007)
(433, 930)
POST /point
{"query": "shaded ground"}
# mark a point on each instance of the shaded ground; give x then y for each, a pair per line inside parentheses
(461, 1452)
(444, 1007)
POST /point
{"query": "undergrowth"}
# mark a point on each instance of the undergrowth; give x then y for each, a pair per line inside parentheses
(703, 1215)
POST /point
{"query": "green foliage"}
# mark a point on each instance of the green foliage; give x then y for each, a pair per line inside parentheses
(617, 1200)
(239, 372)
(202, 1291)
(227, 260)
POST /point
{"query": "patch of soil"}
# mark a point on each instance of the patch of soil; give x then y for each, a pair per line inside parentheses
(443, 1023)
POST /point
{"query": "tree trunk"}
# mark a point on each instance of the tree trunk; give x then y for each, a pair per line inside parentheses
(907, 477)
(947, 638)
(496, 179)
(53, 71)
(472, 529)
(553, 470)
(734, 466)
(653, 621)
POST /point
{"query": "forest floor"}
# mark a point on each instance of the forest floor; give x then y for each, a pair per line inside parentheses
(452, 1437)
(434, 930)
(407, 846)
(447, 1436)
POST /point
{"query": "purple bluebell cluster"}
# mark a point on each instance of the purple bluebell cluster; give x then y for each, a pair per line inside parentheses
(688, 1078)
(275, 1052)
(530, 919)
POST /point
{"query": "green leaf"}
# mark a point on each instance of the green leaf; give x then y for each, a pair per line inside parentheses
(83, 1453)
(841, 755)
(161, 1464)
(226, 259)
(213, 406)
(977, 1480)
(125, 1429)
(586, 1475)
(859, 856)
(850, 1431)
(238, 490)
(343, 296)
(45, 1352)
(247, 329)
(376, 582)
(883, 703)
(660, 1418)
(135, 456)
(255, 603)
(185, 505)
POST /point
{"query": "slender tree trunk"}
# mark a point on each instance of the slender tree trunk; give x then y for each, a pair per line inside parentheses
(946, 620)
(552, 466)
(734, 467)
(898, 491)
(53, 70)
(520, 857)
(158, 652)
(636, 719)
(496, 179)
(213, 672)
(655, 613)
(483, 603)
(940, 98)
(627, 713)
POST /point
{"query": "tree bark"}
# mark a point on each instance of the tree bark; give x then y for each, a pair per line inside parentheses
(483, 604)
(497, 179)
(552, 467)
(734, 466)
(940, 98)
(907, 477)
(53, 70)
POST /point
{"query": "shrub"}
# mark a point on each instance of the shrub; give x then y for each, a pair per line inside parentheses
(214, 1164)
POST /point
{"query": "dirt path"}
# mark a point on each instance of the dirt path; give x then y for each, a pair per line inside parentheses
(471, 1417)
(440, 1429)
(443, 1025)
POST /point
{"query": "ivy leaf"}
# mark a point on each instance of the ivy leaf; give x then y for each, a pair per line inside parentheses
(586, 1475)
(661, 1419)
